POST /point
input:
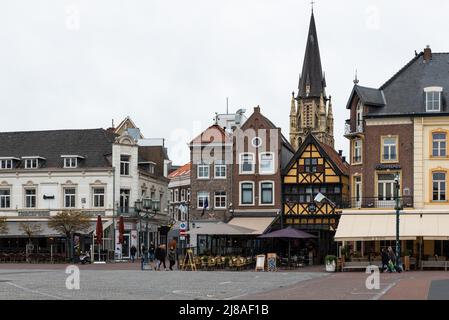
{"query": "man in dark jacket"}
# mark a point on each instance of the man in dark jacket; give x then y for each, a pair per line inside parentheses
(133, 252)
(160, 256)
(385, 259)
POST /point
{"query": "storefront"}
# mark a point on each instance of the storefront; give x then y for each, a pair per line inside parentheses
(423, 235)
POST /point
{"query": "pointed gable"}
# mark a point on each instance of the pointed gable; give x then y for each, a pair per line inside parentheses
(213, 134)
(329, 164)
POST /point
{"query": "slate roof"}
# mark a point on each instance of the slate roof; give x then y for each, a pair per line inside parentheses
(369, 96)
(312, 72)
(404, 92)
(93, 144)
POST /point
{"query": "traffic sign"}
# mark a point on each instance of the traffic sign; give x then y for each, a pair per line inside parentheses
(183, 226)
(182, 238)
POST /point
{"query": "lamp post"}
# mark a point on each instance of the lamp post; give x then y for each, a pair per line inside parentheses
(147, 208)
(397, 208)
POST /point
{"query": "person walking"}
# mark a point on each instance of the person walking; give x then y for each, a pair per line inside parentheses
(160, 256)
(133, 252)
(151, 251)
(172, 257)
(144, 255)
(385, 260)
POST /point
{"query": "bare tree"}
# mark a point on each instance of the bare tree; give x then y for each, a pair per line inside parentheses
(29, 229)
(3, 225)
(68, 222)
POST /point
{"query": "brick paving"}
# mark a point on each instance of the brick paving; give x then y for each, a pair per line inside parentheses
(306, 283)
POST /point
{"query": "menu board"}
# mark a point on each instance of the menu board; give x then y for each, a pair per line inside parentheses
(271, 261)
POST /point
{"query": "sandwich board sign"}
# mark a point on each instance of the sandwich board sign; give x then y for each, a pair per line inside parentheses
(271, 262)
(260, 262)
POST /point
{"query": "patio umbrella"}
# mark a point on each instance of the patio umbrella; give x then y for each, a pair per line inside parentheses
(288, 233)
(121, 230)
(99, 232)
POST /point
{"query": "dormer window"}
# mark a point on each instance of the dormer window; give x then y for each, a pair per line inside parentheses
(32, 162)
(433, 99)
(7, 163)
(71, 161)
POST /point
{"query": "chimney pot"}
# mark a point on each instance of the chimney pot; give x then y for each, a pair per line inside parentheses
(427, 54)
(340, 152)
(343, 159)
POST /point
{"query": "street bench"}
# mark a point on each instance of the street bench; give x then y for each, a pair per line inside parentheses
(355, 265)
(434, 264)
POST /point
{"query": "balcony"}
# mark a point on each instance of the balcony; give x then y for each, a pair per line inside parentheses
(356, 131)
(127, 211)
(377, 203)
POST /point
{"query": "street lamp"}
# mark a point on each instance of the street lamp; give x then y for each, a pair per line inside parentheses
(398, 209)
(147, 208)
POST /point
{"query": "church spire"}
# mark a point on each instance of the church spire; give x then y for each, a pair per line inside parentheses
(311, 82)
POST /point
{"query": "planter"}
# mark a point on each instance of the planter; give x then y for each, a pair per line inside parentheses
(330, 267)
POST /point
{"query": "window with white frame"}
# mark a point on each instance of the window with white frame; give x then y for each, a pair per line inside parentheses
(69, 197)
(5, 198)
(6, 164)
(70, 162)
(266, 163)
(266, 193)
(220, 170)
(31, 163)
(357, 151)
(439, 186)
(203, 171)
(176, 195)
(220, 200)
(151, 168)
(203, 199)
(188, 194)
(247, 193)
(124, 165)
(433, 99)
(246, 163)
(98, 197)
(30, 197)
(439, 144)
(390, 149)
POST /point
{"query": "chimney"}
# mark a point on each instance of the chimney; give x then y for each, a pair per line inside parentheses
(257, 109)
(343, 159)
(340, 152)
(427, 54)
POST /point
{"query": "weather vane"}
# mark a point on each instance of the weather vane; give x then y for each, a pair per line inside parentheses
(312, 3)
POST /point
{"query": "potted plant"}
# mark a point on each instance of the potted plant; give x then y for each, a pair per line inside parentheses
(331, 263)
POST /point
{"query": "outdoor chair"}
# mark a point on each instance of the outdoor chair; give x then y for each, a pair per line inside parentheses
(219, 262)
(204, 263)
(211, 264)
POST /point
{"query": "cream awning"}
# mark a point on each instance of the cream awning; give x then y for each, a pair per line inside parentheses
(368, 227)
(258, 224)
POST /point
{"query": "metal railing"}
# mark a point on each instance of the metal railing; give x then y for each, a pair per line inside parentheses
(359, 128)
(127, 211)
(377, 202)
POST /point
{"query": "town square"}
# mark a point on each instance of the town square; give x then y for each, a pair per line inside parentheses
(220, 150)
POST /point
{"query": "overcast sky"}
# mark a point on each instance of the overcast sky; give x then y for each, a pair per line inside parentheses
(170, 64)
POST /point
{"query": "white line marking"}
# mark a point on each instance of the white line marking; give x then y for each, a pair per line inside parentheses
(226, 282)
(379, 295)
(34, 291)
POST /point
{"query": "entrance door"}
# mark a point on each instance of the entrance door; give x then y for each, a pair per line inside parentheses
(385, 190)
(126, 246)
